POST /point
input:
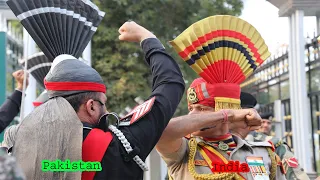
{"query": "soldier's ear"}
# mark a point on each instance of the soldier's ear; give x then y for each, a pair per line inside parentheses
(90, 107)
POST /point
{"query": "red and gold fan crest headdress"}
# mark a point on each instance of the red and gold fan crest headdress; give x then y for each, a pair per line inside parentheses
(224, 51)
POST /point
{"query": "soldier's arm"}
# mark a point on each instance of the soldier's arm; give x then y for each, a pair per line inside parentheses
(171, 139)
(179, 127)
(167, 89)
(10, 109)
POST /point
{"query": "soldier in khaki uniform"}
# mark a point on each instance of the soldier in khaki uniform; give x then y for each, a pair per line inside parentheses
(223, 51)
(290, 163)
(191, 157)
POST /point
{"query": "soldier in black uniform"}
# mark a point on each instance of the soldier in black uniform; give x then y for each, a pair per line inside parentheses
(168, 88)
(76, 94)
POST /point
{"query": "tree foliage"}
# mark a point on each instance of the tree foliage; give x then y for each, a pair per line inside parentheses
(122, 65)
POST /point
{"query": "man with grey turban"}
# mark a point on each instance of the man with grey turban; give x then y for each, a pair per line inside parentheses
(77, 94)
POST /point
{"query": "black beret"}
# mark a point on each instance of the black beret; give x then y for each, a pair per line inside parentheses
(266, 115)
(247, 100)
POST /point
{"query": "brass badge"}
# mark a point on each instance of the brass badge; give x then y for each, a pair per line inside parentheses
(223, 146)
(192, 96)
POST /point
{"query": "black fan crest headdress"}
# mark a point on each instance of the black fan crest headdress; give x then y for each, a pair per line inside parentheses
(58, 26)
(62, 29)
(38, 66)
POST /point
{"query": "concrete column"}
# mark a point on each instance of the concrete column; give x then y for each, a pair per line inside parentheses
(87, 54)
(299, 108)
(291, 70)
(29, 48)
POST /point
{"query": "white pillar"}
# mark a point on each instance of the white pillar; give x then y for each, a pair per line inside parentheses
(87, 54)
(318, 24)
(300, 113)
(278, 115)
(29, 48)
(3, 23)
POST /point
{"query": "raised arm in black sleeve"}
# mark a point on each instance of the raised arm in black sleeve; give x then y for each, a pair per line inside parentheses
(9, 109)
(168, 88)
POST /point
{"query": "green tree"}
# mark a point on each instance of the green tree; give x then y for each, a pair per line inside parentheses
(121, 64)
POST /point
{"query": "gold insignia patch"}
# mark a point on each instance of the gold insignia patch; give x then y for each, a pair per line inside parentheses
(192, 96)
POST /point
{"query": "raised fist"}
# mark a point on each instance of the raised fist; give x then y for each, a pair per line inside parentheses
(19, 77)
(133, 32)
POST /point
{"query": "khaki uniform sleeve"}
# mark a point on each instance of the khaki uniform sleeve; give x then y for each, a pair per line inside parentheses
(176, 157)
(292, 173)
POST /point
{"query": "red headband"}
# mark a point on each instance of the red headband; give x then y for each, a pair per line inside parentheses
(75, 86)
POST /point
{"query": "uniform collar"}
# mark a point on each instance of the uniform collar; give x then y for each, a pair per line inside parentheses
(87, 125)
(242, 143)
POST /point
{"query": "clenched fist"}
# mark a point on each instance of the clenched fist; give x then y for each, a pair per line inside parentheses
(19, 77)
(244, 121)
(250, 116)
(133, 32)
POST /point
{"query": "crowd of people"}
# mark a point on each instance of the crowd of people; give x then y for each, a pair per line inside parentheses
(73, 124)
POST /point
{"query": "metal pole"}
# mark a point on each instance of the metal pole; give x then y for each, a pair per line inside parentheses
(278, 114)
(30, 92)
(24, 83)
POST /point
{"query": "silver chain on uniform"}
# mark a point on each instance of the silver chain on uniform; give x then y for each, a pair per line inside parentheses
(128, 147)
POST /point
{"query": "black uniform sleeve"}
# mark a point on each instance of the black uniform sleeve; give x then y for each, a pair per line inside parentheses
(168, 87)
(10, 109)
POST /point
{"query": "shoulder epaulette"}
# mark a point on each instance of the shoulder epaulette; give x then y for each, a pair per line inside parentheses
(137, 113)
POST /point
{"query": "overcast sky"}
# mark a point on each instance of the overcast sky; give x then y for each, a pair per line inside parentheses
(275, 30)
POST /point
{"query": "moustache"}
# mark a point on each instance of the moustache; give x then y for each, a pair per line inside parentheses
(206, 128)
